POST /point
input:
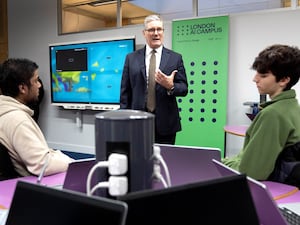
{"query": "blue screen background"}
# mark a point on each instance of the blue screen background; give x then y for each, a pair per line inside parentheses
(101, 82)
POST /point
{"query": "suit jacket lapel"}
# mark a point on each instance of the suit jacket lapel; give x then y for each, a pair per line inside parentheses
(164, 58)
(141, 59)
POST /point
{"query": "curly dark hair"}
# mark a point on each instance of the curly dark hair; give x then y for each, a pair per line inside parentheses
(281, 60)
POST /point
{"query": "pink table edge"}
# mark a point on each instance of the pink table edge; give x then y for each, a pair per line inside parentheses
(239, 130)
(7, 187)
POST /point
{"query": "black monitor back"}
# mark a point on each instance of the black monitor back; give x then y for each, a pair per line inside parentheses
(34, 204)
(225, 200)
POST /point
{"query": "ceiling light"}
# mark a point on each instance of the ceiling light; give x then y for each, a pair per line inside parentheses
(103, 2)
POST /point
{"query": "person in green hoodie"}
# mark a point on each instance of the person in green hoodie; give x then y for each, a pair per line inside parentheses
(277, 125)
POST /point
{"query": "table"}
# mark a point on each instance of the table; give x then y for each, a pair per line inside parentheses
(238, 130)
(7, 187)
(184, 166)
(283, 193)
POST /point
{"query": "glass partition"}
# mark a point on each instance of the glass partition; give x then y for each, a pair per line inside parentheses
(89, 15)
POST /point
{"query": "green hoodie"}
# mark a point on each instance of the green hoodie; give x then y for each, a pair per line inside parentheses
(275, 127)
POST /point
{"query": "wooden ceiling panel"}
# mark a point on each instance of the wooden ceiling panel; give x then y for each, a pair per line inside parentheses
(108, 10)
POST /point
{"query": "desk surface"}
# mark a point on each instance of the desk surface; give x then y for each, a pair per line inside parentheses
(7, 187)
(282, 193)
(239, 130)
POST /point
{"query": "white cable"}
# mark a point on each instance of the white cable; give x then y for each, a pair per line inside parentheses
(43, 168)
(104, 184)
(91, 172)
(157, 174)
(159, 159)
(162, 161)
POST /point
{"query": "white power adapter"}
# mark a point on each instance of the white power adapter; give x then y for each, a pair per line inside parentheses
(117, 164)
(118, 185)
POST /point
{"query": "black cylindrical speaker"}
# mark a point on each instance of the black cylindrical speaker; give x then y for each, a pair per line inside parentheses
(129, 132)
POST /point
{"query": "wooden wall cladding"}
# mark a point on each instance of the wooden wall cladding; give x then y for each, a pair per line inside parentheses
(3, 31)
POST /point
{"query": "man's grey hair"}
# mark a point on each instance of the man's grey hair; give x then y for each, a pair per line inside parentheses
(151, 18)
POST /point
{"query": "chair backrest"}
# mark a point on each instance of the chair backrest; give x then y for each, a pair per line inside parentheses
(287, 167)
(7, 170)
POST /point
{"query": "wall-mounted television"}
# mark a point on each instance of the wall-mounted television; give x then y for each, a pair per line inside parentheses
(87, 75)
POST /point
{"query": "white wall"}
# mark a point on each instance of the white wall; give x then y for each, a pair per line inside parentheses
(32, 26)
(30, 33)
(249, 34)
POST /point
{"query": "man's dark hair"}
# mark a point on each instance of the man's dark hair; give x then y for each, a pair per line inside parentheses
(14, 72)
(281, 60)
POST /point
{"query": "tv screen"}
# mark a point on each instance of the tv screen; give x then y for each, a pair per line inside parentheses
(87, 75)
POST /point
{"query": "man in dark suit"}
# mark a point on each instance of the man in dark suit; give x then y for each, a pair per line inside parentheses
(170, 81)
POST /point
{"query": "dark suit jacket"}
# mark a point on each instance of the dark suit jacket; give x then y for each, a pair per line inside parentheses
(134, 88)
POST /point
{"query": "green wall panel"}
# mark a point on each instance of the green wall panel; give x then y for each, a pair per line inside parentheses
(203, 43)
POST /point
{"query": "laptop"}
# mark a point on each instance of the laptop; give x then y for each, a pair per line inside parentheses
(76, 175)
(224, 200)
(267, 209)
(189, 164)
(195, 165)
(36, 204)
